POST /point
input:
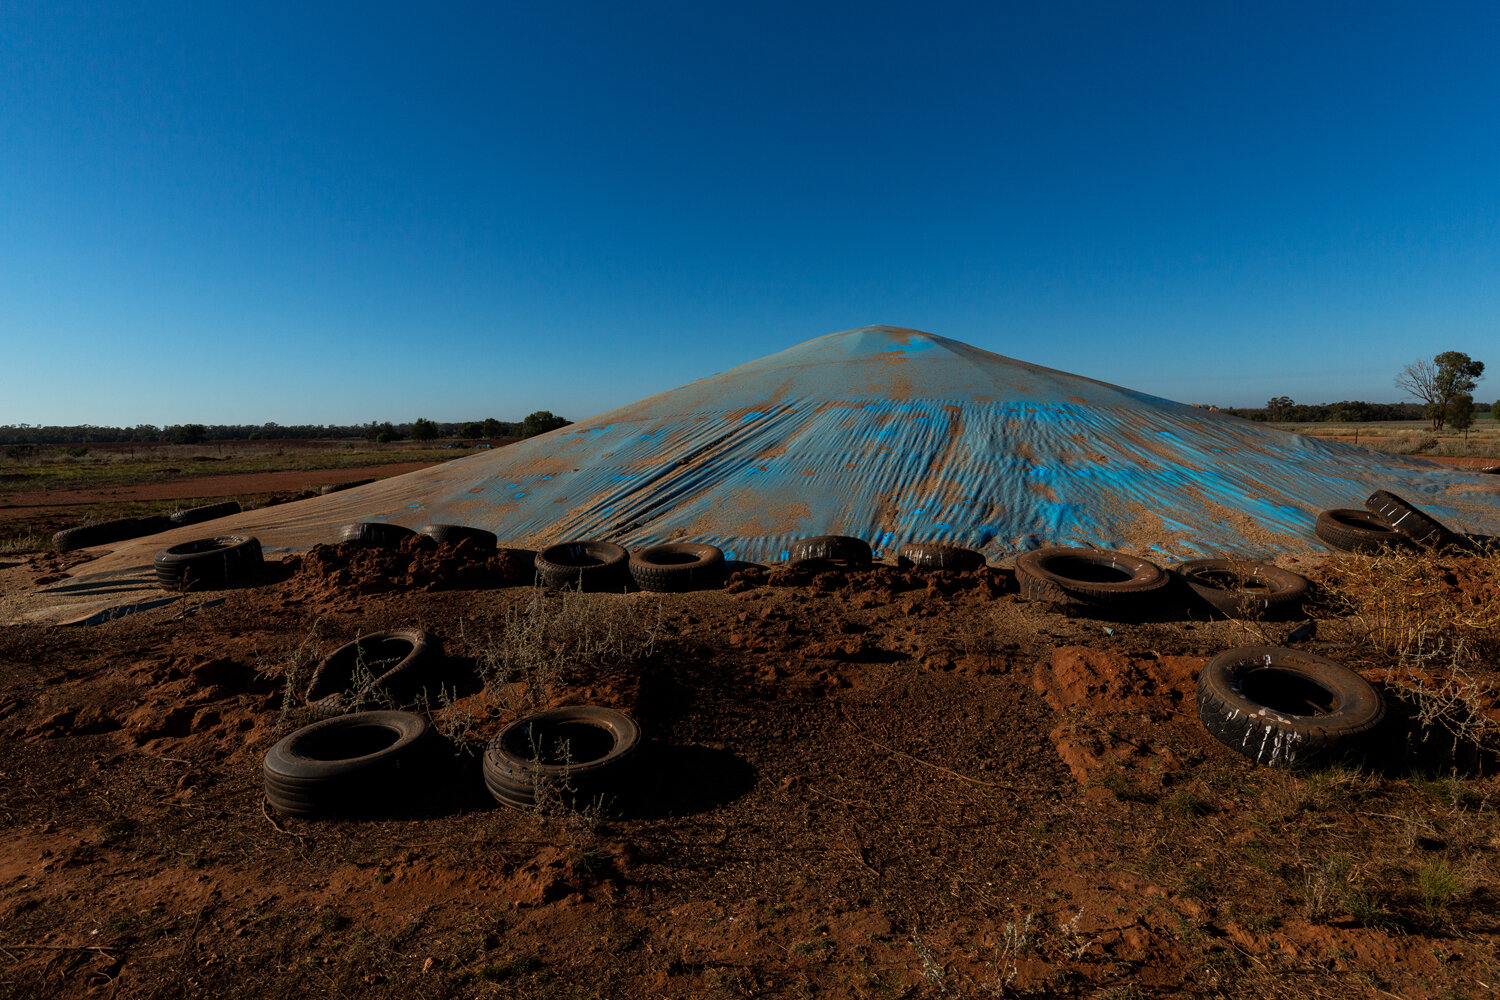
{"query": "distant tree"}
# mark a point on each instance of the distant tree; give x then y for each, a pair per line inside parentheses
(1437, 382)
(190, 434)
(472, 431)
(382, 432)
(423, 429)
(541, 422)
(1460, 413)
(1279, 408)
(493, 428)
(1495, 409)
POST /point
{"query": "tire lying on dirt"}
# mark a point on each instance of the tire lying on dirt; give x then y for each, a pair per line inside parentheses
(1285, 706)
(452, 534)
(1358, 531)
(678, 567)
(1415, 524)
(931, 555)
(380, 533)
(208, 512)
(1243, 588)
(104, 532)
(830, 551)
(338, 487)
(581, 754)
(375, 668)
(582, 565)
(360, 764)
(1059, 575)
(209, 563)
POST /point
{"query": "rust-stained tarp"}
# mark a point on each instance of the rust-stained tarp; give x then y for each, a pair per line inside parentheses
(892, 435)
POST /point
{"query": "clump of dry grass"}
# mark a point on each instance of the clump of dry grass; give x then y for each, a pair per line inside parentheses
(554, 640)
(1432, 624)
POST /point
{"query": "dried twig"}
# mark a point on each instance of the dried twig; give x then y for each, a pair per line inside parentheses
(927, 763)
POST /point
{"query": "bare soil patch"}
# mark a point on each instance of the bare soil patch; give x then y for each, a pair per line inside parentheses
(879, 784)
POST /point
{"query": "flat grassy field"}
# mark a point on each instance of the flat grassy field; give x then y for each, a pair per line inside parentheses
(64, 467)
(1410, 437)
(59, 486)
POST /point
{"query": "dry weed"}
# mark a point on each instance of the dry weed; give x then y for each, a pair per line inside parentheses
(555, 640)
(1433, 623)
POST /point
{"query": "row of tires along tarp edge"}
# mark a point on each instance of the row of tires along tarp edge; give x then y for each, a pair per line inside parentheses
(1054, 574)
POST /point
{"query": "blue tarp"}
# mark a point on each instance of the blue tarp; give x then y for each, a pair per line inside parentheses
(895, 435)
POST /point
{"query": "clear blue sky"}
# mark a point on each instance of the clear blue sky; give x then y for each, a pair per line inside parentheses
(318, 213)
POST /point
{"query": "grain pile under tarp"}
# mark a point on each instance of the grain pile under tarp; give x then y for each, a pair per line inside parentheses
(892, 435)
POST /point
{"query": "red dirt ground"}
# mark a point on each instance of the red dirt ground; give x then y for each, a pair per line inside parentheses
(881, 784)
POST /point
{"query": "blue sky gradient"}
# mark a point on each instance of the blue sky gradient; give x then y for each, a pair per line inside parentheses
(310, 213)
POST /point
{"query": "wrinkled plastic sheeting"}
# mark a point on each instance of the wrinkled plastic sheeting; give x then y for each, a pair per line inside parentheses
(893, 436)
(896, 436)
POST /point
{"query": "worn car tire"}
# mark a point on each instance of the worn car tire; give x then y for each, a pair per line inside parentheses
(1285, 706)
(931, 555)
(1415, 524)
(1358, 531)
(381, 533)
(841, 551)
(602, 744)
(102, 533)
(357, 764)
(208, 563)
(208, 512)
(678, 567)
(153, 524)
(339, 487)
(1243, 588)
(582, 564)
(452, 534)
(1056, 575)
(392, 664)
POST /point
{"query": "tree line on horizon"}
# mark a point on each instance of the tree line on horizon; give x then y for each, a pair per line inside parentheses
(1445, 385)
(1283, 410)
(420, 429)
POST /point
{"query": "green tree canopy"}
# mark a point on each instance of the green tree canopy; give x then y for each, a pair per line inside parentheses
(541, 422)
(423, 429)
(1439, 381)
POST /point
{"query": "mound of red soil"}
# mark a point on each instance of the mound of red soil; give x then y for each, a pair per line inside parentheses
(879, 584)
(1116, 706)
(332, 571)
(50, 567)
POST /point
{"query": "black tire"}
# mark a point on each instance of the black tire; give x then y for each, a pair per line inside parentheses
(208, 512)
(1285, 706)
(358, 764)
(452, 534)
(584, 565)
(1242, 588)
(155, 524)
(601, 747)
(831, 551)
(209, 563)
(678, 567)
(1412, 522)
(930, 555)
(337, 487)
(375, 533)
(102, 533)
(1057, 575)
(382, 666)
(1358, 531)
